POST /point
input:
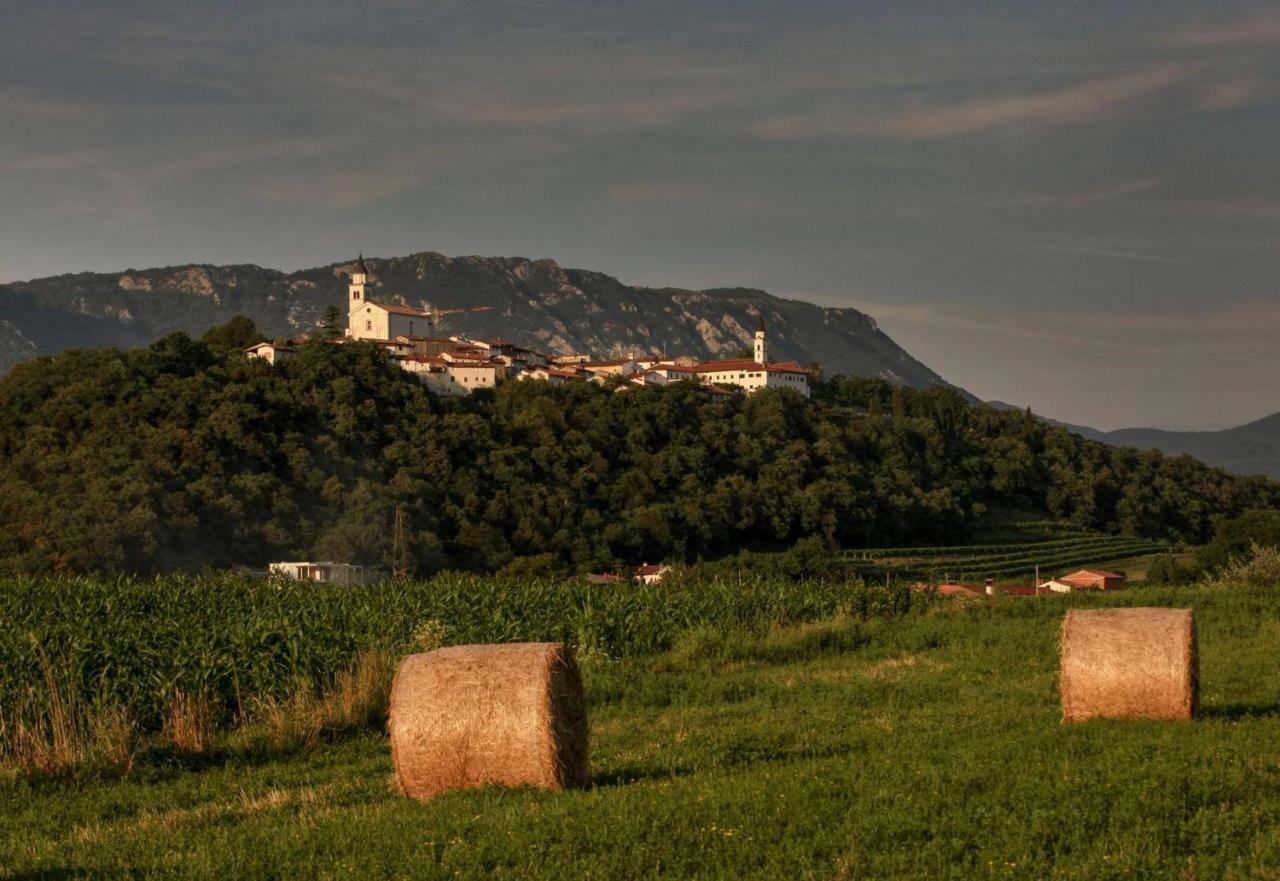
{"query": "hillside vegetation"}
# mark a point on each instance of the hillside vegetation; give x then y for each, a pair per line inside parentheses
(180, 456)
(926, 745)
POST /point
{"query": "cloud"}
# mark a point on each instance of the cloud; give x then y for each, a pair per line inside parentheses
(1072, 105)
(932, 316)
(1080, 199)
(339, 189)
(1255, 206)
(1229, 94)
(1113, 253)
(499, 109)
(238, 156)
(24, 102)
(1260, 30)
(687, 194)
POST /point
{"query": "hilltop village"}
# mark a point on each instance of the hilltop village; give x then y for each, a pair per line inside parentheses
(458, 365)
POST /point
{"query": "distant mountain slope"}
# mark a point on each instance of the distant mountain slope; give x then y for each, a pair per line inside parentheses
(1246, 449)
(534, 302)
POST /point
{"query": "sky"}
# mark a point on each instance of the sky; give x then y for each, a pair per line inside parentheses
(1073, 206)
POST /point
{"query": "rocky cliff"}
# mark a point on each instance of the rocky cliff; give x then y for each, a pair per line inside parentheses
(534, 302)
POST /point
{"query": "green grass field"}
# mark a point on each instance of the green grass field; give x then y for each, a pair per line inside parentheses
(924, 746)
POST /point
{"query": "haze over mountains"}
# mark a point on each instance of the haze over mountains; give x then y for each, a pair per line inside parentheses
(1246, 449)
(533, 302)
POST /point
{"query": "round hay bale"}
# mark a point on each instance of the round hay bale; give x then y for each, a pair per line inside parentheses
(488, 715)
(1129, 664)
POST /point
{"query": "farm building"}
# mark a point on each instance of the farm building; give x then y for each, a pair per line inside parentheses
(1094, 579)
(651, 573)
(320, 573)
(951, 589)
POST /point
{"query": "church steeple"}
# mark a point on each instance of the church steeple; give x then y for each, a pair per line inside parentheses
(759, 347)
(355, 291)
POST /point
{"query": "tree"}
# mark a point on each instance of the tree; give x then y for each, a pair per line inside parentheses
(1235, 537)
(332, 326)
(238, 334)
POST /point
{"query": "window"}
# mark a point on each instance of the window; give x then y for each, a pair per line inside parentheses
(368, 325)
(355, 295)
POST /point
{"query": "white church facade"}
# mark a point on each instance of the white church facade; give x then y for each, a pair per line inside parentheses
(367, 320)
(757, 373)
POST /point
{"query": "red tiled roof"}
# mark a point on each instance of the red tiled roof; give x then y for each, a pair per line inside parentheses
(1094, 573)
(401, 310)
(745, 366)
(948, 590)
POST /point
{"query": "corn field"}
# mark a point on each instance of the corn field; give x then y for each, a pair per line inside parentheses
(225, 645)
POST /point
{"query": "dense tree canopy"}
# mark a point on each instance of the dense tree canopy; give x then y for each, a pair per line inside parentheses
(182, 454)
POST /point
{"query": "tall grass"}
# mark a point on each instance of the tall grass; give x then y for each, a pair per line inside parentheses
(88, 665)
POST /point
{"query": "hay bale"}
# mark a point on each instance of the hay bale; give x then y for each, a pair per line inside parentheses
(482, 715)
(1129, 664)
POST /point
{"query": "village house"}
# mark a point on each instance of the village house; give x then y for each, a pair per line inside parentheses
(617, 367)
(552, 375)
(271, 352)
(651, 573)
(458, 365)
(514, 358)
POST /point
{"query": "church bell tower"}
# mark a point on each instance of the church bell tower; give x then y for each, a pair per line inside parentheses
(355, 291)
(759, 349)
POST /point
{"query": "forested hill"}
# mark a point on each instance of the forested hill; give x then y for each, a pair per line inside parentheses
(533, 302)
(178, 455)
(1253, 448)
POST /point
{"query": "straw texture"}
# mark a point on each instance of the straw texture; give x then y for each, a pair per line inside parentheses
(488, 715)
(1129, 664)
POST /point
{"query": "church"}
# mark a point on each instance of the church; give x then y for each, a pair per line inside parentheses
(463, 367)
(757, 373)
(367, 320)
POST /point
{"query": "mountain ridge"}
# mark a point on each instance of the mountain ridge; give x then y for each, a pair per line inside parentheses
(1249, 449)
(535, 302)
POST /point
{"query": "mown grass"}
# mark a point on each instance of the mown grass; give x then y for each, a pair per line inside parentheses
(925, 746)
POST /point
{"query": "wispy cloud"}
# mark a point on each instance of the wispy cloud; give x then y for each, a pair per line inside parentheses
(25, 102)
(1082, 103)
(340, 188)
(239, 156)
(1082, 198)
(933, 316)
(1230, 94)
(1259, 206)
(658, 193)
(1258, 30)
(1110, 253)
